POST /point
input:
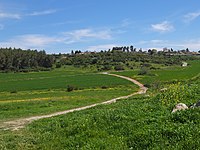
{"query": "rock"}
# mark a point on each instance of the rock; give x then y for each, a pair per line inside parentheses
(163, 89)
(180, 106)
(195, 105)
(198, 104)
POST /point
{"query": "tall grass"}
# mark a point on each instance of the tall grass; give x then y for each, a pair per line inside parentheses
(176, 93)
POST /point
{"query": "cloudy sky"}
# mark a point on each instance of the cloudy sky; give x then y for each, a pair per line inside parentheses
(62, 25)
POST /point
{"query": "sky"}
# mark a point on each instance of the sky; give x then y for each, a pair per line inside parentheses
(59, 26)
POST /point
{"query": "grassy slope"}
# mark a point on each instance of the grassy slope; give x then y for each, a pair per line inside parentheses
(167, 74)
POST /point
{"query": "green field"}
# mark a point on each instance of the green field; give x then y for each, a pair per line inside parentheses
(57, 79)
(56, 101)
(28, 94)
(139, 122)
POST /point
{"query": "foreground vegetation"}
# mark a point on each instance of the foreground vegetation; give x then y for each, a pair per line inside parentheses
(139, 122)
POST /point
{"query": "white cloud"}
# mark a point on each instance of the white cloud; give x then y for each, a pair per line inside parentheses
(89, 33)
(191, 16)
(85, 35)
(162, 27)
(153, 42)
(32, 41)
(39, 41)
(9, 16)
(193, 44)
(5, 15)
(102, 47)
(39, 13)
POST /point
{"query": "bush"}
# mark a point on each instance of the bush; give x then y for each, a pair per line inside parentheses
(146, 65)
(13, 91)
(118, 67)
(104, 87)
(153, 68)
(58, 65)
(104, 68)
(143, 71)
(71, 88)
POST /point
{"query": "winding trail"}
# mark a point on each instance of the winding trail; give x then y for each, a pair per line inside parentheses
(20, 123)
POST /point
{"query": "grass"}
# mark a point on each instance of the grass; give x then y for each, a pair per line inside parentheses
(36, 93)
(36, 81)
(54, 101)
(137, 123)
(140, 122)
(177, 73)
(166, 74)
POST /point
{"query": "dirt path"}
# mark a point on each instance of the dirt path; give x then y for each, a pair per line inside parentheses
(20, 123)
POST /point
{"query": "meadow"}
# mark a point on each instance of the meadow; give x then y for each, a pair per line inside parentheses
(28, 94)
(56, 79)
(139, 122)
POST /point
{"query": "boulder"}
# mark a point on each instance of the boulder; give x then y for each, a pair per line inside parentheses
(180, 106)
(195, 105)
(198, 104)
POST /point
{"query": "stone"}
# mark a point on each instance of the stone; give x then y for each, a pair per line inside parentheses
(179, 106)
(198, 104)
(195, 105)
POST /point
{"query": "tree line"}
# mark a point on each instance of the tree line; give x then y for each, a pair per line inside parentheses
(24, 60)
(118, 59)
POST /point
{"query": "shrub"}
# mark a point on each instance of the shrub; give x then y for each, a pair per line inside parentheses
(104, 67)
(104, 87)
(118, 67)
(153, 68)
(143, 71)
(71, 88)
(58, 65)
(146, 65)
(13, 91)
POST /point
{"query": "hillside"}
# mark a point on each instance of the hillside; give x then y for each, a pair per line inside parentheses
(139, 122)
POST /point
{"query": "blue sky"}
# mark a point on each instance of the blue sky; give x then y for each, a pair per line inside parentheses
(65, 25)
